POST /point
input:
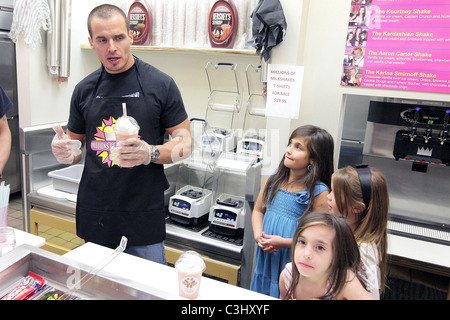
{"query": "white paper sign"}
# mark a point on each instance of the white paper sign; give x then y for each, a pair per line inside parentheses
(284, 90)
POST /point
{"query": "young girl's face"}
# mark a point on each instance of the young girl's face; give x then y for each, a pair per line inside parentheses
(351, 215)
(314, 251)
(296, 155)
(332, 206)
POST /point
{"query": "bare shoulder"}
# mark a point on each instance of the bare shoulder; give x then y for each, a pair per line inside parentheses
(353, 289)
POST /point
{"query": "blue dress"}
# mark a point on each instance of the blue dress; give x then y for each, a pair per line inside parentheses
(280, 219)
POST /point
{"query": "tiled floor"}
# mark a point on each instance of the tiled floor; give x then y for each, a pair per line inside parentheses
(55, 236)
(15, 217)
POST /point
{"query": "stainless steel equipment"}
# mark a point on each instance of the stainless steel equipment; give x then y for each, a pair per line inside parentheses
(407, 141)
(226, 235)
(214, 141)
(171, 171)
(61, 273)
(254, 132)
(58, 38)
(8, 81)
(235, 178)
(37, 160)
(226, 138)
(228, 238)
(252, 145)
(192, 199)
(224, 105)
(227, 215)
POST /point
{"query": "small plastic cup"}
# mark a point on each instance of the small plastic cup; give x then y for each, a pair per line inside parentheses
(7, 240)
(190, 266)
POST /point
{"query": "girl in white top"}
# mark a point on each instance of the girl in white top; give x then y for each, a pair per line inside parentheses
(361, 196)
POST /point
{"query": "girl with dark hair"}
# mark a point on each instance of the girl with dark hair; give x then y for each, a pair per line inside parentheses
(325, 262)
(299, 185)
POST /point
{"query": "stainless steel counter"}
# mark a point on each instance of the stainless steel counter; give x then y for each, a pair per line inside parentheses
(64, 207)
(62, 273)
(183, 238)
(176, 236)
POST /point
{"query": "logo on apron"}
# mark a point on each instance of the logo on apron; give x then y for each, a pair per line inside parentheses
(105, 139)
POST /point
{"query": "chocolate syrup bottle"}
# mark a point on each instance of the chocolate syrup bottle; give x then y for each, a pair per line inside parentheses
(223, 24)
(141, 21)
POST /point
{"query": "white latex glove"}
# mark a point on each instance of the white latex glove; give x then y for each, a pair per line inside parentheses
(132, 152)
(64, 149)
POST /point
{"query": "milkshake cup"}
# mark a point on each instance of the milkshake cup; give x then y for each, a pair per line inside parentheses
(126, 127)
(190, 266)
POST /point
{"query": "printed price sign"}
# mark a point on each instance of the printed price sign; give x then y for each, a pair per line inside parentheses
(284, 89)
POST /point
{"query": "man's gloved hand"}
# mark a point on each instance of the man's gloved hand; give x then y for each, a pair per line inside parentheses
(132, 152)
(64, 149)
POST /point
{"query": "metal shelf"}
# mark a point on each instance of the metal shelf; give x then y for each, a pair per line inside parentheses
(249, 52)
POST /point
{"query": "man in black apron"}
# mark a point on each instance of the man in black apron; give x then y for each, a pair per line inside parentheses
(127, 199)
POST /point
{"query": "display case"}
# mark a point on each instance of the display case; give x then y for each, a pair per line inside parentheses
(63, 275)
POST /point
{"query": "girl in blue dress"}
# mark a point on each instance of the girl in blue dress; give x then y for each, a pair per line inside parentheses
(299, 185)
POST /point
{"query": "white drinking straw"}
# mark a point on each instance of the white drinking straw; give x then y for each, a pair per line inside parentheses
(124, 108)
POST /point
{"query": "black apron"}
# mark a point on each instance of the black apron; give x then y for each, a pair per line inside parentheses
(113, 201)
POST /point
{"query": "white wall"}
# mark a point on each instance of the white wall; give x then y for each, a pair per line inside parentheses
(315, 38)
(42, 99)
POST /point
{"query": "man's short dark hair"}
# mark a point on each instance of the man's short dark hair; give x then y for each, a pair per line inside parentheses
(106, 11)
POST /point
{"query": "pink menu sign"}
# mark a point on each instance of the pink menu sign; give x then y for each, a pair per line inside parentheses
(399, 45)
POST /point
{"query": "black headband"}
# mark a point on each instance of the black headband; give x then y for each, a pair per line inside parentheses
(365, 179)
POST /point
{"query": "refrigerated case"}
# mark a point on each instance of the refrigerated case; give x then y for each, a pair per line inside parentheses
(8, 81)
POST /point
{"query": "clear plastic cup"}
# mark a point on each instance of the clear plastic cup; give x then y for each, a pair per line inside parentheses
(7, 240)
(125, 128)
(190, 266)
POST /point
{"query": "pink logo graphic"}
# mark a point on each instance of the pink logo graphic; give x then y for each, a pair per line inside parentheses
(105, 139)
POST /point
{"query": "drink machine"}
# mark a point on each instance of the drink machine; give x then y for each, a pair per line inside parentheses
(192, 199)
(407, 140)
(237, 180)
